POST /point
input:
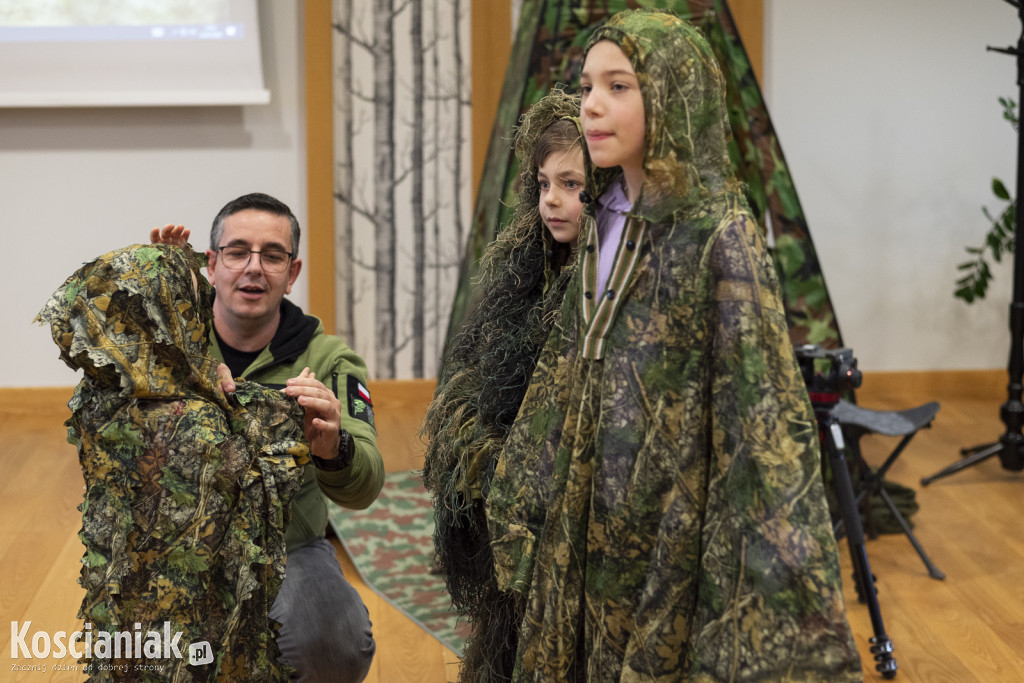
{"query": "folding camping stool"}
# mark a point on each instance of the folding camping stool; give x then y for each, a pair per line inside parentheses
(856, 422)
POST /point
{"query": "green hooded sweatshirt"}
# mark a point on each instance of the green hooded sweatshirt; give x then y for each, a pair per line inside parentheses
(300, 342)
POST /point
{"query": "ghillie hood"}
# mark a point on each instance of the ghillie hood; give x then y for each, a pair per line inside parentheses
(137, 321)
(187, 493)
(521, 284)
(686, 160)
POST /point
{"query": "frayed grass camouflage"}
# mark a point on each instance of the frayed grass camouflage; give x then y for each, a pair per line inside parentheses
(485, 373)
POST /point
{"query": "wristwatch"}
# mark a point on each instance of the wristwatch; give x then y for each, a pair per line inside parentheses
(346, 451)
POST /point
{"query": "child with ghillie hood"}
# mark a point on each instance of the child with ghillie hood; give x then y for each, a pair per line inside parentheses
(187, 491)
(658, 507)
(523, 277)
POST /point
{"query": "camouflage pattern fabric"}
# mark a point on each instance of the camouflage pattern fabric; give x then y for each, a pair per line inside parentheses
(661, 510)
(187, 492)
(547, 52)
(483, 378)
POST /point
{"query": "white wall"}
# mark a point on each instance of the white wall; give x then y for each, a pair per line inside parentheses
(887, 112)
(75, 183)
(888, 115)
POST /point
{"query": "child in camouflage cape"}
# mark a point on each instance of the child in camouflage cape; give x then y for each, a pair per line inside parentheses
(187, 491)
(658, 506)
(481, 385)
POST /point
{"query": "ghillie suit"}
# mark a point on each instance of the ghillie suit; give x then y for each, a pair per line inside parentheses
(187, 492)
(658, 505)
(481, 384)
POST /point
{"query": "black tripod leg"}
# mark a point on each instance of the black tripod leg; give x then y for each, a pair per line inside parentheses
(971, 450)
(881, 646)
(933, 571)
(974, 459)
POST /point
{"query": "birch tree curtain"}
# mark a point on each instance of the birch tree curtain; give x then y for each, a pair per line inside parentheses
(402, 176)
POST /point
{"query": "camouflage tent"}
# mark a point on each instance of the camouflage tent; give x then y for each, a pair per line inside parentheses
(548, 51)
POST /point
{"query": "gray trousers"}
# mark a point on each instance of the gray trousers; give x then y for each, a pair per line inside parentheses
(326, 633)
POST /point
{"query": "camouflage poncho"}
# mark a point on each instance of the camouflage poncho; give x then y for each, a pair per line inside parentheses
(186, 492)
(481, 385)
(658, 504)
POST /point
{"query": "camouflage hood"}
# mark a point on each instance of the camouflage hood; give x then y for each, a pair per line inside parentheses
(686, 160)
(137, 320)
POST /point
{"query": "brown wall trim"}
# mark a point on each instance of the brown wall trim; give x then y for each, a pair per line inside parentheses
(319, 62)
(412, 396)
(981, 385)
(749, 18)
(399, 405)
(20, 403)
(490, 46)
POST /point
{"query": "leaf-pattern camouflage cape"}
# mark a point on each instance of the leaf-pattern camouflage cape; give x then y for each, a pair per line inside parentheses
(187, 493)
(481, 385)
(661, 510)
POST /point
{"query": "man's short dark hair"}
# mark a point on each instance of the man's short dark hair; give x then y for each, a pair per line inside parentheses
(259, 202)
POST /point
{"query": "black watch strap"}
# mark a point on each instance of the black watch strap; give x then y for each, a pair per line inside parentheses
(346, 451)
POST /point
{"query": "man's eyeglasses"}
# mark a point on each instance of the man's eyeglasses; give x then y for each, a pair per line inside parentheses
(272, 260)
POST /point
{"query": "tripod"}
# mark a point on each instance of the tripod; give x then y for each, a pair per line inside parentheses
(1010, 446)
(834, 447)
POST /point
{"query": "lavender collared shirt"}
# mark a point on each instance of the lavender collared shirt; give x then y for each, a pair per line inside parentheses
(612, 207)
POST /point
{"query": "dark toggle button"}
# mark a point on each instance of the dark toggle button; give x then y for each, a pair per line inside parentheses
(610, 294)
(631, 245)
(588, 295)
(590, 248)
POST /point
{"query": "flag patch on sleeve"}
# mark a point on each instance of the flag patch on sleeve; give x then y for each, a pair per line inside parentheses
(359, 404)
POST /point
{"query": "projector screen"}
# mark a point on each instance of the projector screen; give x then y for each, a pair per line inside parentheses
(60, 53)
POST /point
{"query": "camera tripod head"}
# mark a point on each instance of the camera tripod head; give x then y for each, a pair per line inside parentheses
(828, 373)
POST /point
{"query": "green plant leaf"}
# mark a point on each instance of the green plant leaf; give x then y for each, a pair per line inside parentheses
(1000, 238)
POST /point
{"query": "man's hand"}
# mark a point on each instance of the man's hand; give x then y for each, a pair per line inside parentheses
(170, 234)
(322, 413)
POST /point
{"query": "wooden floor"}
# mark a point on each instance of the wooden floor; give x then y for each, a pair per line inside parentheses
(968, 628)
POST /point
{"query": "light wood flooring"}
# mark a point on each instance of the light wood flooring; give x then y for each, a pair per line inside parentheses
(968, 628)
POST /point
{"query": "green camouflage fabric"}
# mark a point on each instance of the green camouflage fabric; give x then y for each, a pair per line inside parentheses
(481, 385)
(547, 52)
(661, 511)
(187, 492)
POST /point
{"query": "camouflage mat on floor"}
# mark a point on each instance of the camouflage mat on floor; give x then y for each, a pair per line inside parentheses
(391, 545)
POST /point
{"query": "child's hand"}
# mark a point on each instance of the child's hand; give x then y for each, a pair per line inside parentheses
(227, 382)
(170, 234)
